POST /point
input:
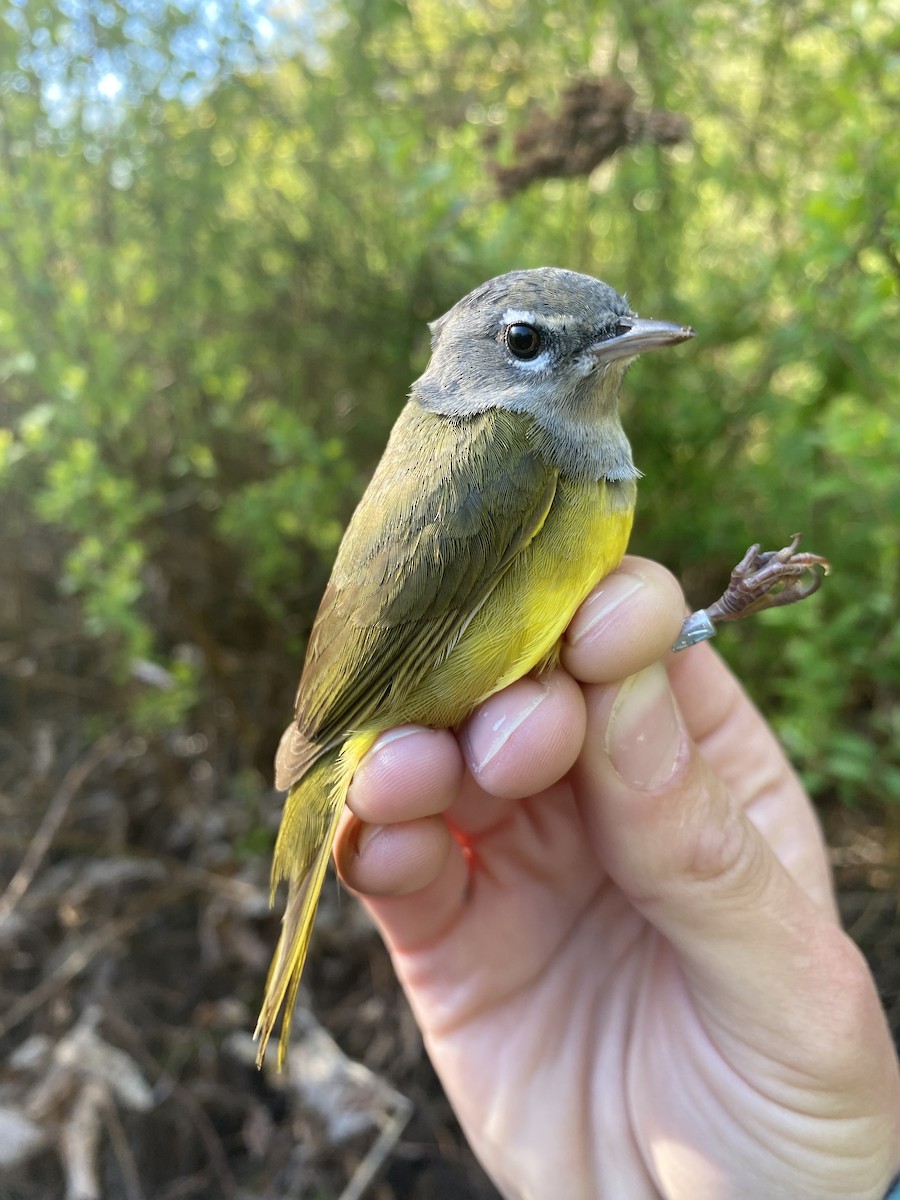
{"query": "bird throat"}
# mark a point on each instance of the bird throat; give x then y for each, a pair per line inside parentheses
(587, 450)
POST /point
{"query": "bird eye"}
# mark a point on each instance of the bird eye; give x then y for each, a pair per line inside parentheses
(523, 341)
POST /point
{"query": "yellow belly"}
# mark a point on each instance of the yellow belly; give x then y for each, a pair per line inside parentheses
(520, 625)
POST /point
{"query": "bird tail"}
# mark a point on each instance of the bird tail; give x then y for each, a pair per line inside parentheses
(312, 813)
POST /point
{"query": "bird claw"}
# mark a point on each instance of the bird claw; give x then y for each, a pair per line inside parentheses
(761, 580)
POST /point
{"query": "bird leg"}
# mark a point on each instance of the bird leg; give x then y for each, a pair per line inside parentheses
(760, 580)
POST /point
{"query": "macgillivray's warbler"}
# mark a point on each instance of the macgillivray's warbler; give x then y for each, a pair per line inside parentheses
(505, 494)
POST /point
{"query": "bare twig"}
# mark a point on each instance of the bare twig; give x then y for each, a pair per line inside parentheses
(187, 1185)
(77, 961)
(387, 1139)
(119, 1142)
(80, 1142)
(54, 816)
(217, 1156)
(212, 1143)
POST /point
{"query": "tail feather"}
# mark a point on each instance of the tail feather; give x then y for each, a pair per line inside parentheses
(296, 928)
(312, 813)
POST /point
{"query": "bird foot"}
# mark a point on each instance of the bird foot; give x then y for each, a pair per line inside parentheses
(761, 580)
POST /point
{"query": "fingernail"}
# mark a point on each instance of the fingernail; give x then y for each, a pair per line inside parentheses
(366, 835)
(381, 743)
(491, 727)
(393, 735)
(644, 737)
(608, 595)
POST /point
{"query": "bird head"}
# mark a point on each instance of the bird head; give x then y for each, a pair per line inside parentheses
(550, 343)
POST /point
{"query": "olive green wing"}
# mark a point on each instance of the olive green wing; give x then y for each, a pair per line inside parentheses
(450, 506)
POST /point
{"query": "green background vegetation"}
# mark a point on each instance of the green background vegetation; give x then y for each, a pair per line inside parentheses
(213, 299)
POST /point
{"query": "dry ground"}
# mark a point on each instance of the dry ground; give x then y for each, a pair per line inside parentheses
(135, 933)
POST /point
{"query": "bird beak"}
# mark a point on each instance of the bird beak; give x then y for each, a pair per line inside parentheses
(636, 336)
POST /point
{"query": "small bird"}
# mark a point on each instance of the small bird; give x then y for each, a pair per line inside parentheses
(505, 493)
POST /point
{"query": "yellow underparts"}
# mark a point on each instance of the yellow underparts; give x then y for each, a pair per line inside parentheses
(518, 629)
(522, 623)
(520, 626)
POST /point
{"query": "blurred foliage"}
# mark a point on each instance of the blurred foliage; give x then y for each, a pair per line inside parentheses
(213, 301)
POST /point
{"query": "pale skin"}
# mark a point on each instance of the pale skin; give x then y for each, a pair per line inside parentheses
(610, 907)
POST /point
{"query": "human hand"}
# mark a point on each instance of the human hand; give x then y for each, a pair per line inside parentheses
(610, 908)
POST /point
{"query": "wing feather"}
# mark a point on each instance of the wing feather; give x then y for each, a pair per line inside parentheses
(424, 550)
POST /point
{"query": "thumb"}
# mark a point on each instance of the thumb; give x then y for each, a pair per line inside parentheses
(756, 951)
